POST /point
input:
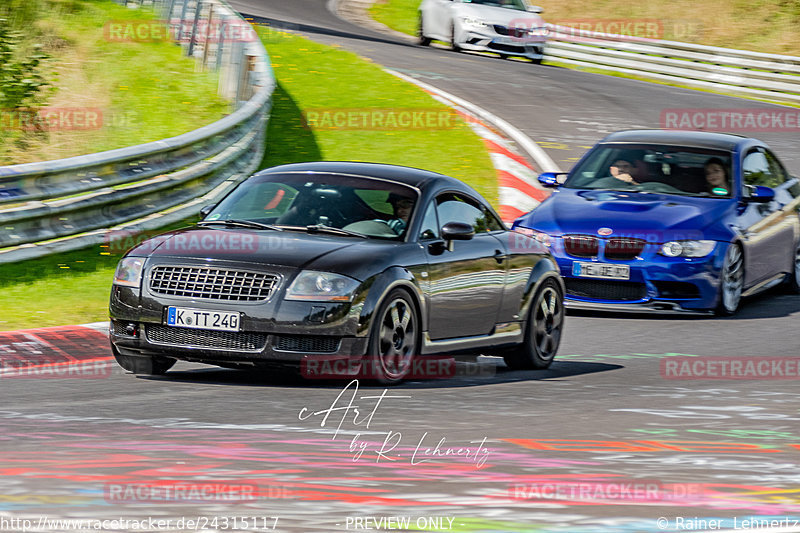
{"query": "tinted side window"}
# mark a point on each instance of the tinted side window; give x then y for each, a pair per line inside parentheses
(457, 208)
(430, 225)
(492, 222)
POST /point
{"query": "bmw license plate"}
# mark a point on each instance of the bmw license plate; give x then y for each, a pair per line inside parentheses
(600, 270)
(186, 317)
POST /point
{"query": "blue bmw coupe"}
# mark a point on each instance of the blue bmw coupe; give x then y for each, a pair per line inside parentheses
(668, 220)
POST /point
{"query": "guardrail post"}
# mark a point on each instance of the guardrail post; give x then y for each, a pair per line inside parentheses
(198, 8)
(184, 5)
(169, 10)
(206, 46)
(220, 50)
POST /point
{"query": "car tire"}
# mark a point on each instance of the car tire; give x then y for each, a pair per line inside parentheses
(543, 331)
(395, 338)
(424, 41)
(143, 365)
(792, 283)
(453, 44)
(503, 56)
(537, 61)
(731, 281)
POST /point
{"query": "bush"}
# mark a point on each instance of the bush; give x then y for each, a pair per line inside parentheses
(20, 78)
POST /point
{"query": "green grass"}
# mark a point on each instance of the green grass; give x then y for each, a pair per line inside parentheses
(351, 83)
(145, 91)
(400, 15)
(68, 288)
(73, 288)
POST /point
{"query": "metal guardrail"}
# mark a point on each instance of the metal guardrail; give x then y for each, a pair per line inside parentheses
(55, 206)
(768, 76)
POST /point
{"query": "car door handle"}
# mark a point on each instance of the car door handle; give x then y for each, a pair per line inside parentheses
(499, 256)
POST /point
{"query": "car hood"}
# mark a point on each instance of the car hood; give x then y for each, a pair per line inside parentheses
(351, 256)
(654, 217)
(500, 15)
(286, 248)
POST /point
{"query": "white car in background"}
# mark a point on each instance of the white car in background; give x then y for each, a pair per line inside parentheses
(505, 27)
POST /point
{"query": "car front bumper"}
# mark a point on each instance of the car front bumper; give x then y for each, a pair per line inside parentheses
(488, 42)
(270, 331)
(656, 284)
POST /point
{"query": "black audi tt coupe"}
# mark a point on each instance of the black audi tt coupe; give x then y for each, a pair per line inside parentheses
(375, 264)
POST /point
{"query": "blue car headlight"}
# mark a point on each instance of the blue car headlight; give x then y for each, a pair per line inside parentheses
(315, 286)
(687, 248)
(540, 236)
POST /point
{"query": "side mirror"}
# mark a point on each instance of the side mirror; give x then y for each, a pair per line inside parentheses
(550, 179)
(761, 195)
(456, 231)
(534, 9)
(206, 210)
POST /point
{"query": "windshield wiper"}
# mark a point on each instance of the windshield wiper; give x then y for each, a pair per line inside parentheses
(242, 223)
(320, 228)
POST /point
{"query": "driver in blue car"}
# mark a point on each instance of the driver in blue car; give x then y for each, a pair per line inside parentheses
(630, 168)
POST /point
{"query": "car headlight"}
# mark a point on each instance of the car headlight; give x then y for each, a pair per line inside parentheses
(472, 21)
(538, 32)
(129, 272)
(321, 287)
(540, 236)
(687, 248)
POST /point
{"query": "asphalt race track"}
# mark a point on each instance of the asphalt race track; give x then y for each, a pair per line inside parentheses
(626, 432)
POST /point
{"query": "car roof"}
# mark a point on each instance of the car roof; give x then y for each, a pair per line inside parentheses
(696, 139)
(414, 177)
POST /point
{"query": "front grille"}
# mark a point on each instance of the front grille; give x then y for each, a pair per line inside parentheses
(605, 289)
(506, 47)
(623, 249)
(511, 32)
(677, 289)
(306, 343)
(202, 338)
(581, 245)
(212, 283)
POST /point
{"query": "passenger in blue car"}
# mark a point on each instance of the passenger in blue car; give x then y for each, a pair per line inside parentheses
(716, 176)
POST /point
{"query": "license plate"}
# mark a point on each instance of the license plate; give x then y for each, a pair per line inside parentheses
(507, 40)
(601, 270)
(185, 317)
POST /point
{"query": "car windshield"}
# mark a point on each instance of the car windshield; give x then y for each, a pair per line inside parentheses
(518, 5)
(321, 203)
(678, 170)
